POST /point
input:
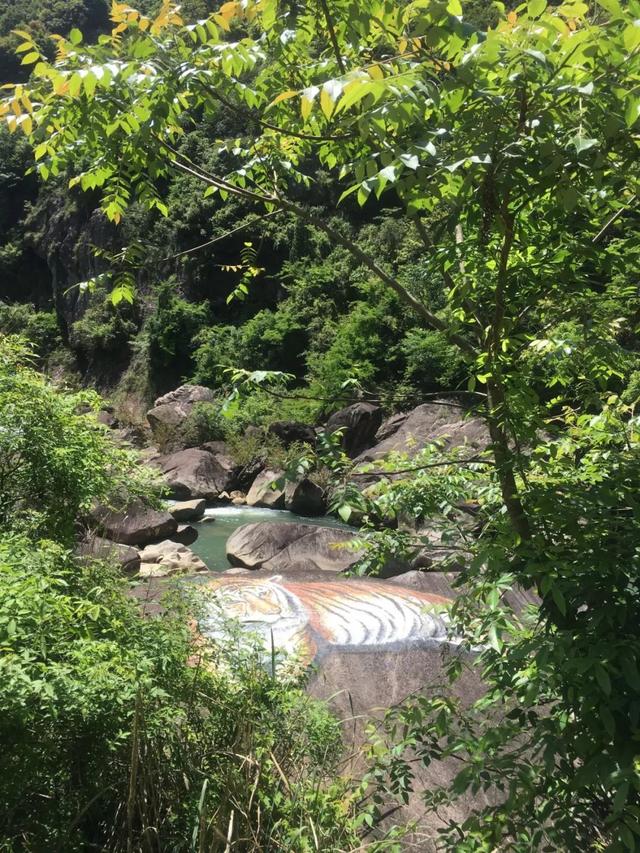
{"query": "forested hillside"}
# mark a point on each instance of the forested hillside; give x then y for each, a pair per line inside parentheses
(372, 263)
(310, 312)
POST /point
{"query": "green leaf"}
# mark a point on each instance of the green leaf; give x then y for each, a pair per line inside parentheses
(602, 677)
(75, 36)
(344, 512)
(632, 110)
(582, 143)
(631, 36)
(536, 7)
(559, 599)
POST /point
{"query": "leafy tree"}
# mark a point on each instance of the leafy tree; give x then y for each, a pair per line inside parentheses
(514, 153)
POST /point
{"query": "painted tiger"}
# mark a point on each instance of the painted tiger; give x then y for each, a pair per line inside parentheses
(306, 618)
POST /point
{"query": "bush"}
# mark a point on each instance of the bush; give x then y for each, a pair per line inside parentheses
(103, 334)
(205, 422)
(431, 362)
(38, 328)
(171, 332)
(119, 732)
(55, 461)
(112, 733)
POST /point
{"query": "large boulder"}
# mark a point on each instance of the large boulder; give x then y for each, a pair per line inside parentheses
(188, 510)
(373, 645)
(441, 420)
(168, 558)
(359, 423)
(98, 548)
(195, 473)
(135, 525)
(289, 432)
(282, 547)
(304, 497)
(171, 410)
(262, 492)
(186, 534)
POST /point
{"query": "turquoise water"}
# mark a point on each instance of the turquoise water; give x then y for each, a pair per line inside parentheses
(220, 522)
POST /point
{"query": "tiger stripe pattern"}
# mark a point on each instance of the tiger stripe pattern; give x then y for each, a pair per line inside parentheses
(307, 617)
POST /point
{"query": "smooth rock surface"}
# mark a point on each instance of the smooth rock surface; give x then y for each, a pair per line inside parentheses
(137, 525)
(168, 558)
(261, 492)
(428, 423)
(286, 547)
(304, 498)
(194, 473)
(289, 432)
(104, 549)
(359, 423)
(171, 410)
(186, 534)
(188, 510)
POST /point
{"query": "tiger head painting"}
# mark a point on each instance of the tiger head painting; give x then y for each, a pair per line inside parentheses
(308, 618)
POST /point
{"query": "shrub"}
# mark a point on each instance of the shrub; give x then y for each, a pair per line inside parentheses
(205, 422)
(111, 739)
(171, 332)
(55, 461)
(39, 328)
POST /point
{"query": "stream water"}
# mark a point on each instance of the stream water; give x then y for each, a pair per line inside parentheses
(220, 522)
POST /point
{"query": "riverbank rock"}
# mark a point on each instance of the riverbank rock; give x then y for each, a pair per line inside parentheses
(263, 494)
(304, 497)
(136, 525)
(281, 547)
(359, 423)
(196, 473)
(437, 421)
(170, 412)
(98, 548)
(288, 432)
(168, 558)
(186, 534)
(188, 510)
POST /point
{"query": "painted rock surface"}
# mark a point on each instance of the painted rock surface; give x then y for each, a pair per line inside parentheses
(308, 618)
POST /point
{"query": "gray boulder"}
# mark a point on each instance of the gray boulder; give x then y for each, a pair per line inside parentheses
(136, 525)
(437, 421)
(359, 423)
(194, 473)
(291, 431)
(285, 547)
(188, 510)
(304, 498)
(261, 492)
(186, 534)
(171, 410)
(168, 558)
(104, 549)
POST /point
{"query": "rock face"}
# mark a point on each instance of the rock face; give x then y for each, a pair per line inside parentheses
(282, 547)
(105, 549)
(424, 424)
(169, 558)
(188, 510)
(186, 534)
(291, 431)
(195, 473)
(136, 525)
(359, 423)
(304, 498)
(171, 410)
(261, 493)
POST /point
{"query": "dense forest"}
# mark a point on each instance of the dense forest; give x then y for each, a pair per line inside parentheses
(302, 209)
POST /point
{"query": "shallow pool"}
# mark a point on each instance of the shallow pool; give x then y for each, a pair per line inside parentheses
(220, 522)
